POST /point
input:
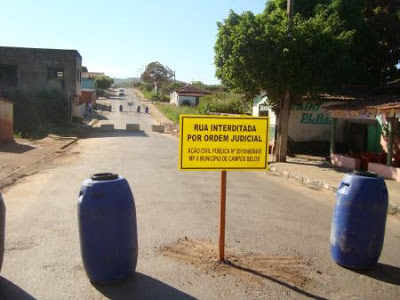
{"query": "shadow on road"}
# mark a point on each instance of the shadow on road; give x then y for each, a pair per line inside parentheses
(385, 273)
(115, 133)
(282, 283)
(142, 287)
(14, 147)
(96, 115)
(9, 290)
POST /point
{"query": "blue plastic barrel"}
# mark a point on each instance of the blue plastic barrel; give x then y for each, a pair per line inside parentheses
(2, 229)
(359, 220)
(107, 228)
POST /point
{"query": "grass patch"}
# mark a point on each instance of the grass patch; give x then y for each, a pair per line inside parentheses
(147, 95)
(218, 102)
(172, 112)
(153, 96)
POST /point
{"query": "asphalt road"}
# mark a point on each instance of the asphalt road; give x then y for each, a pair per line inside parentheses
(128, 114)
(266, 215)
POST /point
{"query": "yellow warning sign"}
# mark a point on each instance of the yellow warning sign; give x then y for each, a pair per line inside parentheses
(223, 143)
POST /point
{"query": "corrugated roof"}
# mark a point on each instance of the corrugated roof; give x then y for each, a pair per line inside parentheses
(378, 103)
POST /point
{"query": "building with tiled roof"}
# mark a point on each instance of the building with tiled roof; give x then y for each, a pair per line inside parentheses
(187, 95)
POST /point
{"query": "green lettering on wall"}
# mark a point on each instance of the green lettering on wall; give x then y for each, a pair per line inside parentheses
(306, 118)
(316, 107)
(320, 118)
(308, 106)
(297, 106)
(310, 118)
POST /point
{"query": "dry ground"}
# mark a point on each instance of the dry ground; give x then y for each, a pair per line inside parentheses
(250, 268)
(25, 157)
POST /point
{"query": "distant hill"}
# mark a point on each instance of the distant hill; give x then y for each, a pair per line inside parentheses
(124, 80)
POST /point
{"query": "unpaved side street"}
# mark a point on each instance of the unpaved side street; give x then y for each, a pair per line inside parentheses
(25, 157)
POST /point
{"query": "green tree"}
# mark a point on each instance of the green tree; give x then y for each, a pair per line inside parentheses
(320, 52)
(377, 26)
(172, 86)
(103, 82)
(157, 74)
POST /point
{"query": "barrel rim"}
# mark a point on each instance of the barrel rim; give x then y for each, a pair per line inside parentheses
(104, 176)
(365, 173)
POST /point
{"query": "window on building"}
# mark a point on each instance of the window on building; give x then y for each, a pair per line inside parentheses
(56, 73)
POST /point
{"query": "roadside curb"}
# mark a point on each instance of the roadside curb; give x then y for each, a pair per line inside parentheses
(311, 182)
(316, 184)
(74, 140)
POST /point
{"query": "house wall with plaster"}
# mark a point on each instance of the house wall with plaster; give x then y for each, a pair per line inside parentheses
(6, 121)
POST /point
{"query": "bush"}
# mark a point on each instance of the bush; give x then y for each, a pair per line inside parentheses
(232, 105)
(172, 112)
(159, 97)
(103, 82)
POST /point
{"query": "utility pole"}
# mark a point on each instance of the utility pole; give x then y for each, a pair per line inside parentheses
(284, 113)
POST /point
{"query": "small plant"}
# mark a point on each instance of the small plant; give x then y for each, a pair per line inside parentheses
(18, 135)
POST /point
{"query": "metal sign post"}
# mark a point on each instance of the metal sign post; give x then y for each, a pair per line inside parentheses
(222, 210)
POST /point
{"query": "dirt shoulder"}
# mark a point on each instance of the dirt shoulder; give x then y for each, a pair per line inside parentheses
(25, 157)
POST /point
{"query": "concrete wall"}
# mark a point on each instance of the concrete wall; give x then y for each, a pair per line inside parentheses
(345, 161)
(310, 122)
(307, 122)
(88, 96)
(174, 98)
(79, 110)
(36, 70)
(6, 121)
(387, 172)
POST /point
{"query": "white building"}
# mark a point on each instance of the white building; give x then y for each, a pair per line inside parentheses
(262, 109)
(187, 95)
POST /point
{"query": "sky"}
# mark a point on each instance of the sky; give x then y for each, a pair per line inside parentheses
(120, 37)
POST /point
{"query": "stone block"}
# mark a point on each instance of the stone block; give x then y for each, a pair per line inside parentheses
(107, 127)
(158, 128)
(132, 127)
